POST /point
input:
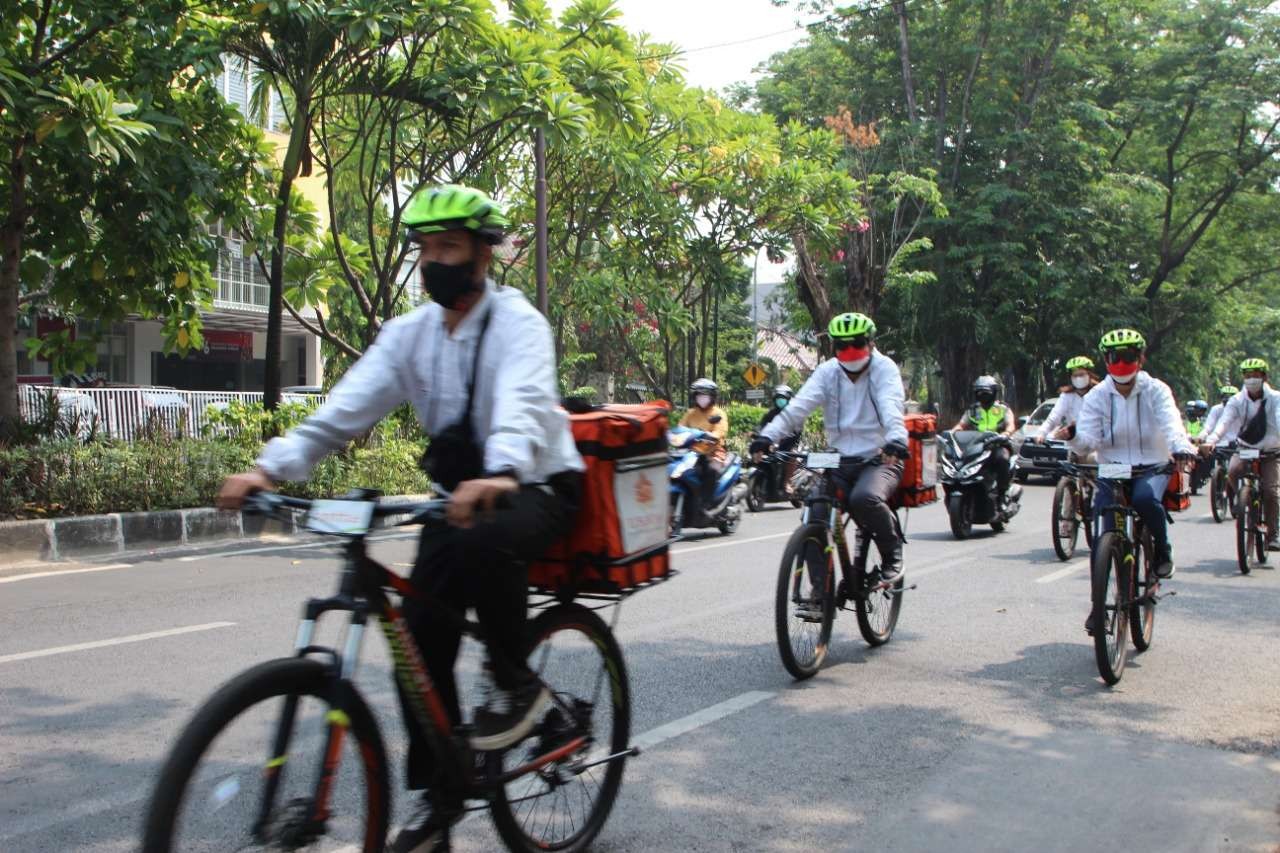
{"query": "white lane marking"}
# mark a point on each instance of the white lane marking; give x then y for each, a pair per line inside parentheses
(295, 547)
(731, 543)
(34, 575)
(114, 641)
(698, 719)
(1062, 573)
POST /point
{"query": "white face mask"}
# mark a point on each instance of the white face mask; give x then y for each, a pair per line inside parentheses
(855, 366)
(703, 400)
(1253, 384)
(1124, 380)
(1080, 382)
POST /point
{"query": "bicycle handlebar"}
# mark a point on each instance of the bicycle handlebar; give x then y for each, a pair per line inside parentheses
(419, 512)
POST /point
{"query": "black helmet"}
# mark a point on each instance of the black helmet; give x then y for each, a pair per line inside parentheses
(783, 391)
(704, 386)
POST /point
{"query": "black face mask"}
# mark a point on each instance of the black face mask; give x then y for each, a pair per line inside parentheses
(447, 283)
(986, 398)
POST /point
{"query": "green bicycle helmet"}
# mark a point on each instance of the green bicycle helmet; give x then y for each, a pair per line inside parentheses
(1228, 391)
(851, 325)
(1255, 364)
(449, 207)
(1122, 338)
(1080, 362)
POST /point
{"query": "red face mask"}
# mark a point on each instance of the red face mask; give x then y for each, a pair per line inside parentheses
(853, 354)
(1122, 369)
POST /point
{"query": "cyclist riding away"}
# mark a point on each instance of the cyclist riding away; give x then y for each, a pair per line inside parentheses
(860, 392)
(782, 395)
(988, 414)
(478, 365)
(705, 415)
(1132, 418)
(1061, 423)
(1253, 416)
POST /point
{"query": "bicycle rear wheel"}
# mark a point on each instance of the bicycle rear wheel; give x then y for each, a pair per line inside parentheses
(1110, 580)
(247, 771)
(1244, 514)
(804, 605)
(1065, 523)
(1142, 616)
(564, 803)
(877, 609)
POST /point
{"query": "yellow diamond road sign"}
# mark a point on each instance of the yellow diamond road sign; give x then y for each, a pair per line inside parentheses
(754, 374)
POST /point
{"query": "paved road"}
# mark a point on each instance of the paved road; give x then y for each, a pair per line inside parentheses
(982, 726)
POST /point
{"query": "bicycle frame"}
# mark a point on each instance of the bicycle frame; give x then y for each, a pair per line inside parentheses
(1128, 524)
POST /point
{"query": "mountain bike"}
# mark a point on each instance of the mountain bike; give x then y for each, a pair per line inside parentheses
(1072, 508)
(1125, 588)
(288, 755)
(1251, 524)
(808, 592)
(1220, 502)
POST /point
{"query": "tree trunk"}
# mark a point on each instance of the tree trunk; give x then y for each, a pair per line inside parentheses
(961, 363)
(812, 291)
(275, 297)
(11, 233)
(904, 44)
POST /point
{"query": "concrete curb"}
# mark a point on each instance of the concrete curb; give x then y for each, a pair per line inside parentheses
(122, 532)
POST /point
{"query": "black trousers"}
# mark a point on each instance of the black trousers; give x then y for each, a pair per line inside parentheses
(1002, 462)
(484, 567)
(867, 498)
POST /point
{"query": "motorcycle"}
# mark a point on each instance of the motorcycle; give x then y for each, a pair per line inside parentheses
(765, 483)
(724, 509)
(970, 482)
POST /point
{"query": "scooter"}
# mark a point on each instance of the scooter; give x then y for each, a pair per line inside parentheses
(724, 510)
(765, 483)
(969, 481)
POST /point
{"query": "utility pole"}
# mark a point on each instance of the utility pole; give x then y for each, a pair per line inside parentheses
(540, 216)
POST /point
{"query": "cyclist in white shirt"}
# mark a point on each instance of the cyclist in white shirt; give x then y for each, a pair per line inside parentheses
(1061, 423)
(1253, 416)
(860, 393)
(1132, 418)
(1225, 393)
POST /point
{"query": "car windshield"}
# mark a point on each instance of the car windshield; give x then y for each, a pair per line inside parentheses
(1041, 412)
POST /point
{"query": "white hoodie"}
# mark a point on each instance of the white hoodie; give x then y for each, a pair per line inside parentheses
(860, 417)
(1238, 412)
(1144, 428)
(1065, 412)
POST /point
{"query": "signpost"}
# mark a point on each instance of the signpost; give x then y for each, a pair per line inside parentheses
(755, 374)
(755, 393)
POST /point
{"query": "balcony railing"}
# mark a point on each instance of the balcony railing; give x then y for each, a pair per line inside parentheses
(240, 283)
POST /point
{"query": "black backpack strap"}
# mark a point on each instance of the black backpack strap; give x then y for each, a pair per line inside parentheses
(475, 366)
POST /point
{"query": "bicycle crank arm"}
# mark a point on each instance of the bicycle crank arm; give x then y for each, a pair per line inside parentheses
(626, 753)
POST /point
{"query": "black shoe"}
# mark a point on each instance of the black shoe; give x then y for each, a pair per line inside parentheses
(509, 716)
(426, 831)
(1164, 563)
(891, 569)
(1088, 624)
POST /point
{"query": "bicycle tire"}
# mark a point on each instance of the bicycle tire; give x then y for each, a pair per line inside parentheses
(1108, 575)
(276, 679)
(1086, 516)
(1064, 546)
(791, 575)
(1244, 497)
(599, 639)
(871, 604)
(756, 494)
(1142, 617)
(1218, 494)
(1259, 537)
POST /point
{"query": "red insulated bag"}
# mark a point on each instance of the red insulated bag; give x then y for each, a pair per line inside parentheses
(619, 540)
(1177, 495)
(919, 484)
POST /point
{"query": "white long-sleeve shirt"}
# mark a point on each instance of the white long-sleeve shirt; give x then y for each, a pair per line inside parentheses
(860, 417)
(516, 414)
(1065, 412)
(1144, 428)
(1240, 409)
(1211, 421)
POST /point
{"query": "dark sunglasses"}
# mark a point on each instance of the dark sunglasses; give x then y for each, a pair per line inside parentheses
(1128, 355)
(859, 342)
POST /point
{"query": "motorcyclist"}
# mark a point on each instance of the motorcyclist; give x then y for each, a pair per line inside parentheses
(1061, 423)
(782, 395)
(988, 414)
(860, 392)
(477, 363)
(705, 415)
(1195, 414)
(1132, 418)
(1253, 416)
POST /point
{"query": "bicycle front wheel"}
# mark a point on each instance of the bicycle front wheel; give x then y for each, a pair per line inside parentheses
(1110, 611)
(1244, 516)
(1066, 520)
(878, 608)
(260, 767)
(564, 803)
(804, 606)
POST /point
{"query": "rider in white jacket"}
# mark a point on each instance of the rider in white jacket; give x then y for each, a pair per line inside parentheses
(1066, 412)
(1226, 392)
(1257, 401)
(1132, 418)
